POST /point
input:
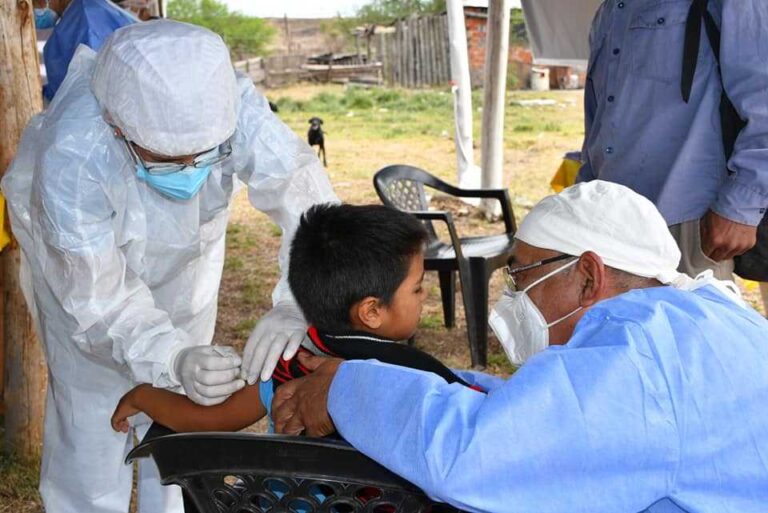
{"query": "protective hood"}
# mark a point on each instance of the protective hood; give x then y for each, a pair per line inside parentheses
(169, 86)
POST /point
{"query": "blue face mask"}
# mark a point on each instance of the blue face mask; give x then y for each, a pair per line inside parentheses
(181, 185)
(45, 18)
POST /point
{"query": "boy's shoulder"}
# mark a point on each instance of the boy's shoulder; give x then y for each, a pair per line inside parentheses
(359, 345)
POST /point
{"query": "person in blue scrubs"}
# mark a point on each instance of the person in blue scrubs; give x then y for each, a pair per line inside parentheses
(642, 390)
(86, 22)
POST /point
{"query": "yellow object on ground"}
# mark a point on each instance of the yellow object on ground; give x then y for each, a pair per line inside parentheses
(5, 233)
(566, 174)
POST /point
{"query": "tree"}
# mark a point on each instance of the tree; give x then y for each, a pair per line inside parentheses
(384, 12)
(26, 375)
(338, 33)
(244, 35)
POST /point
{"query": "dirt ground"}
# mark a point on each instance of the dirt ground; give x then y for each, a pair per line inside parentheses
(362, 137)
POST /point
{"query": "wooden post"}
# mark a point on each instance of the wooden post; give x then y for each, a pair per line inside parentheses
(494, 98)
(25, 370)
(421, 43)
(287, 30)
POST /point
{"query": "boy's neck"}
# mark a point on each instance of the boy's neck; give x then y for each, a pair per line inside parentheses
(361, 329)
(351, 332)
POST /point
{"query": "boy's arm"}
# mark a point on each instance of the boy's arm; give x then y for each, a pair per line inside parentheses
(179, 413)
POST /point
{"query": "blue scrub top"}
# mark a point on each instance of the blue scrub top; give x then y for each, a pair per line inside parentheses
(657, 404)
(88, 22)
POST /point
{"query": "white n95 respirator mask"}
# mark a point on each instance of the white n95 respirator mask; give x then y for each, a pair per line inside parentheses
(518, 323)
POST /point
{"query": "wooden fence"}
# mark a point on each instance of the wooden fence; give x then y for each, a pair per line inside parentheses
(288, 69)
(416, 54)
(274, 71)
(254, 68)
(413, 53)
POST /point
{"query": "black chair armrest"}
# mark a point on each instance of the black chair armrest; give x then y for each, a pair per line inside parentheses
(502, 195)
(447, 218)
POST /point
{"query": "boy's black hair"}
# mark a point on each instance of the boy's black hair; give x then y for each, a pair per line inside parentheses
(341, 254)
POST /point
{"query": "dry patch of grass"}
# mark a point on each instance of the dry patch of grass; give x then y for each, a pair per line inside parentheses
(18, 483)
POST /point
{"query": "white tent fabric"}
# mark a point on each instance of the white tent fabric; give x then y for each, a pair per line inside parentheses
(559, 31)
(513, 4)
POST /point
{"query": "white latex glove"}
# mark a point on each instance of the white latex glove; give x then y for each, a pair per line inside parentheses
(279, 332)
(208, 374)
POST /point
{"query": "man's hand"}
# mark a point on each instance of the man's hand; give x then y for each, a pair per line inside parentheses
(302, 404)
(125, 408)
(723, 239)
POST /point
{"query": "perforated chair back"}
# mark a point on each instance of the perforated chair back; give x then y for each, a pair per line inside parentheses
(254, 473)
(402, 187)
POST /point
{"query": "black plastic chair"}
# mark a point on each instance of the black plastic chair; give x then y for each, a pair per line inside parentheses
(255, 473)
(475, 258)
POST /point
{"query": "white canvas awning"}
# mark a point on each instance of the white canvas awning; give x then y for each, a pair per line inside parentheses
(513, 4)
(558, 30)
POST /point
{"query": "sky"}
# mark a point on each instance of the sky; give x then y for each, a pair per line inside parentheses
(295, 8)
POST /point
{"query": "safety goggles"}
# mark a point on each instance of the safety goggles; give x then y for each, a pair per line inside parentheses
(205, 159)
(511, 272)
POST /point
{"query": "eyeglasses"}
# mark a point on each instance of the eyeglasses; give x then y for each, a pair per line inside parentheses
(512, 271)
(166, 168)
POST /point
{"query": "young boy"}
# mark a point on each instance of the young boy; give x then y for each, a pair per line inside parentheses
(356, 272)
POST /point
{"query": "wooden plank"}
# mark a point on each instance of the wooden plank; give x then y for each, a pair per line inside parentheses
(432, 51)
(407, 54)
(388, 59)
(436, 24)
(435, 49)
(392, 56)
(408, 50)
(420, 51)
(438, 50)
(415, 51)
(441, 50)
(380, 53)
(406, 59)
(25, 369)
(424, 44)
(398, 54)
(446, 53)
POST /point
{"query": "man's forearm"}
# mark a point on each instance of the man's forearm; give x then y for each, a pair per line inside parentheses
(743, 197)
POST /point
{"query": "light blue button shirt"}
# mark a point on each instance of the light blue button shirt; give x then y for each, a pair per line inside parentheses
(641, 134)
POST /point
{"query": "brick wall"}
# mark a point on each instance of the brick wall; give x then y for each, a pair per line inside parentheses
(520, 57)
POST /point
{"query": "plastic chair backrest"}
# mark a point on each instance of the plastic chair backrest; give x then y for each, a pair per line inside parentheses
(250, 473)
(402, 187)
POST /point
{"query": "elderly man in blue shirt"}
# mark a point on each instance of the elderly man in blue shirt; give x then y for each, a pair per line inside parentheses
(641, 133)
(644, 389)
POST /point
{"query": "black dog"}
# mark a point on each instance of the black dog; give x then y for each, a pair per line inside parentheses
(316, 137)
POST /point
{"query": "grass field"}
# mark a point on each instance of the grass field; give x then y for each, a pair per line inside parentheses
(365, 131)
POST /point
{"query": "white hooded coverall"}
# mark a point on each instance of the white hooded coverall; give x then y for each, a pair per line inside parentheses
(119, 276)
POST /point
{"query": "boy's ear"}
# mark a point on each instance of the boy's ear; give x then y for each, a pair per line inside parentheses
(367, 313)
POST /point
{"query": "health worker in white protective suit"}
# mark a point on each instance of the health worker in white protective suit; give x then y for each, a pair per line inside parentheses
(119, 198)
